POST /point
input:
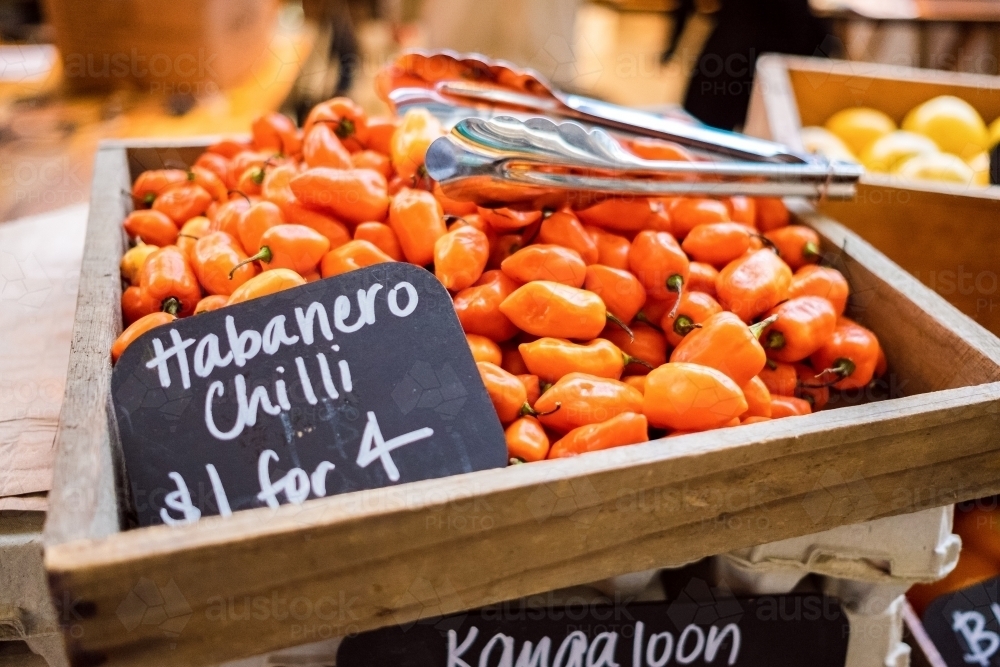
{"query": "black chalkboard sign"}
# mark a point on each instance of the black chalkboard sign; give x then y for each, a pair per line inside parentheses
(965, 625)
(768, 631)
(354, 382)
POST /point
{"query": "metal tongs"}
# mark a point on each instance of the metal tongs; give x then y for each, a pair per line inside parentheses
(503, 149)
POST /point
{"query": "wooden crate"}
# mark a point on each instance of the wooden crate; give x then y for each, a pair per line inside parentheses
(400, 554)
(946, 236)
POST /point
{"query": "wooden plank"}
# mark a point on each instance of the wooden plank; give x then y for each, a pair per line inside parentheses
(773, 113)
(39, 269)
(84, 500)
(947, 240)
(400, 554)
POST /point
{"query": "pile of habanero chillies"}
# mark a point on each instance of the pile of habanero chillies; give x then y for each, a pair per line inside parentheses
(591, 328)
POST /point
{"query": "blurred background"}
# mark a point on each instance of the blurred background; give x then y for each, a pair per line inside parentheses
(74, 72)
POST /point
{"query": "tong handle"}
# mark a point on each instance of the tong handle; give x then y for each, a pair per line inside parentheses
(730, 144)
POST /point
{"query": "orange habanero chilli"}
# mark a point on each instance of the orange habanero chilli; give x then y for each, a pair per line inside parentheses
(211, 302)
(352, 195)
(154, 182)
(789, 406)
(351, 256)
(220, 264)
(628, 428)
(724, 342)
(691, 312)
(151, 227)
(779, 378)
(542, 261)
(812, 280)
(526, 440)
(460, 256)
(294, 247)
(758, 398)
(269, 282)
(691, 397)
(804, 324)
(183, 202)
(478, 307)
(612, 249)
(646, 347)
(136, 305)
(552, 358)
(798, 245)
(563, 228)
(718, 243)
(659, 264)
(578, 399)
(753, 284)
(410, 141)
(382, 236)
(418, 220)
(847, 359)
(483, 349)
(620, 291)
(136, 329)
(688, 213)
(507, 393)
(545, 308)
(167, 279)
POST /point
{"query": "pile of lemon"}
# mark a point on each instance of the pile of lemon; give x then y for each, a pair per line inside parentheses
(943, 139)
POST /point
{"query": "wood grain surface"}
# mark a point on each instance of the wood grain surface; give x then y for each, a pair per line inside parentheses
(39, 269)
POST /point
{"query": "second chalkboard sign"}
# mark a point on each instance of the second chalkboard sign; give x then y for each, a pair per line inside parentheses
(354, 382)
(767, 631)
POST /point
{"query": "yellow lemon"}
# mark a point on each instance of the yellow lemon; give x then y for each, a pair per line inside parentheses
(936, 167)
(952, 123)
(859, 126)
(980, 164)
(994, 131)
(889, 150)
(820, 140)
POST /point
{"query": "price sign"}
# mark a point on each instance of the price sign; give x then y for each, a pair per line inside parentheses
(354, 382)
(769, 631)
(965, 625)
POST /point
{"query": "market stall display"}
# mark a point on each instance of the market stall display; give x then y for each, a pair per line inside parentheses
(934, 428)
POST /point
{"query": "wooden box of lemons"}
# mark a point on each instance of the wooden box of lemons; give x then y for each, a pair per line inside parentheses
(943, 139)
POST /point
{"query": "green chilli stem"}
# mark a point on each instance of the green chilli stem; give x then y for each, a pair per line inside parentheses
(528, 411)
(171, 305)
(616, 320)
(675, 283)
(842, 366)
(756, 329)
(264, 255)
(629, 359)
(684, 325)
(240, 193)
(641, 317)
(767, 243)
